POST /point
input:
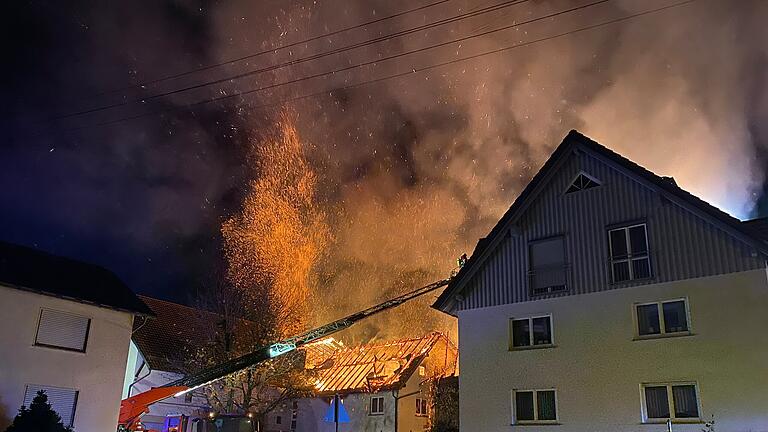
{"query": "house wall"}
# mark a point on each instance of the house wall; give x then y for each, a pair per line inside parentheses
(597, 367)
(682, 244)
(97, 374)
(312, 411)
(145, 379)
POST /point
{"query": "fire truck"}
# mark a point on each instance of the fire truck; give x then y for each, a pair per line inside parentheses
(132, 408)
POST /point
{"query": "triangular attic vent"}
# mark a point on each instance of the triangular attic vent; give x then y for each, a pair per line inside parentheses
(582, 182)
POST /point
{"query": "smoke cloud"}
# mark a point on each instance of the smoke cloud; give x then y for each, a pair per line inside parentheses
(412, 171)
(415, 170)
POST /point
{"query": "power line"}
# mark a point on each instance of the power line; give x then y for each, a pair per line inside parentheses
(271, 50)
(413, 71)
(270, 68)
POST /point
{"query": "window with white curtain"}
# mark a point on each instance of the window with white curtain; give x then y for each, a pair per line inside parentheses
(676, 401)
(534, 406)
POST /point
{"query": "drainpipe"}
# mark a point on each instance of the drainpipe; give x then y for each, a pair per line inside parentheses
(136, 378)
(397, 401)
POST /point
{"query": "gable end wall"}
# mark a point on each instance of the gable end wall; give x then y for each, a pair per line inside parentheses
(682, 244)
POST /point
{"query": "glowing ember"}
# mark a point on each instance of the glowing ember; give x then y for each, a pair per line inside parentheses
(273, 244)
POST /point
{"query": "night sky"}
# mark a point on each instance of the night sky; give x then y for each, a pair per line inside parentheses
(146, 198)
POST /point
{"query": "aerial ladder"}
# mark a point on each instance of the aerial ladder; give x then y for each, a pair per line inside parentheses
(132, 408)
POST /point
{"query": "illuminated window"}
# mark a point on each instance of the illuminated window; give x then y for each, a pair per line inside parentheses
(629, 253)
(676, 401)
(531, 332)
(188, 397)
(534, 406)
(662, 318)
(547, 266)
(582, 182)
(421, 407)
(377, 405)
(422, 371)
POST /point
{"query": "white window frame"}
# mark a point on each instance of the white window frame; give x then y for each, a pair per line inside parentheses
(418, 407)
(58, 347)
(662, 322)
(371, 412)
(515, 421)
(629, 257)
(670, 402)
(530, 319)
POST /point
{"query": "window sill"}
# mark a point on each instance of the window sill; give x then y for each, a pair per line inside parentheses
(663, 336)
(537, 423)
(531, 347)
(59, 349)
(674, 421)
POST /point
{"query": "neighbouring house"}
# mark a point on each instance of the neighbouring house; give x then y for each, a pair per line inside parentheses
(65, 328)
(607, 298)
(160, 353)
(383, 387)
(163, 349)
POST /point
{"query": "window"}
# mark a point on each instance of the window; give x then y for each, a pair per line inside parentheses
(377, 405)
(677, 401)
(421, 407)
(188, 397)
(629, 253)
(278, 420)
(294, 414)
(582, 182)
(422, 371)
(534, 406)
(62, 400)
(535, 331)
(662, 318)
(547, 266)
(62, 330)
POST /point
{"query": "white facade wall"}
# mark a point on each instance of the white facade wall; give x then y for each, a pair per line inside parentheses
(312, 410)
(97, 374)
(597, 367)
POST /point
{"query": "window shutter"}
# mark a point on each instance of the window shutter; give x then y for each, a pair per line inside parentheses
(62, 330)
(62, 400)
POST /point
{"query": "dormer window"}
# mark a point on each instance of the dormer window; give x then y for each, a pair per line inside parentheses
(583, 181)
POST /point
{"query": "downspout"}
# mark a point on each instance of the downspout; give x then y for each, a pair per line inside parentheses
(136, 379)
(397, 401)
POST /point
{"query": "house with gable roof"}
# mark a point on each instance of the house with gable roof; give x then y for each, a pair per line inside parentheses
(607, 298)
(65, 329)
(383, 386)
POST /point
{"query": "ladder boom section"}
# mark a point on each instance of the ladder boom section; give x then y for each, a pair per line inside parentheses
(209, 375)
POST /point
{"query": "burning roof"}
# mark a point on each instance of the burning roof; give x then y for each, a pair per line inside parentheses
(378, 366)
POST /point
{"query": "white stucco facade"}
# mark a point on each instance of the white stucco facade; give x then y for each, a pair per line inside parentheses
(597, 365)
(97, 374)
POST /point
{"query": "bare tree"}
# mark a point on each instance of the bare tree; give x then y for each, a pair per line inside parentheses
(235, 325)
